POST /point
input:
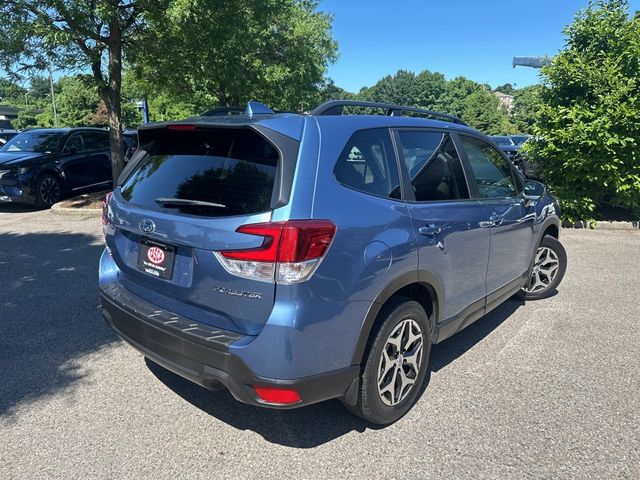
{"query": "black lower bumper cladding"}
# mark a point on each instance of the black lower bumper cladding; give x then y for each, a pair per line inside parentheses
(200, 353)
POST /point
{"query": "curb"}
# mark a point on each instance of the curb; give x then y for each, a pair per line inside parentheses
(606, 225)
(60, 210)
(617, 225)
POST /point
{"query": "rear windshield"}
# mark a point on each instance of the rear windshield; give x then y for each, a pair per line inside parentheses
(221, 172)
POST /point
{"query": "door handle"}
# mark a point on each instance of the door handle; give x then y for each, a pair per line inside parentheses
(429, 230)
(496, 219)
(487, 224)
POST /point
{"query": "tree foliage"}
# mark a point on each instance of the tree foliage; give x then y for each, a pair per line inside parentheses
(218, 52)
(589, 118)
(526, 103)
(230, 52)
(74, 35)
(467, 99)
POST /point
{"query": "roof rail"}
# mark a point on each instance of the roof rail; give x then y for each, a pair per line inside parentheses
(336, 107)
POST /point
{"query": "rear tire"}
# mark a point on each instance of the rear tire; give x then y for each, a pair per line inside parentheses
(395, 365)
(48, 191)
(550, 265)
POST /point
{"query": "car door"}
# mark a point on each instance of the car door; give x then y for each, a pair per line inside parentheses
(96, 143)
(75, 161)
(510, 221)
(447, 222)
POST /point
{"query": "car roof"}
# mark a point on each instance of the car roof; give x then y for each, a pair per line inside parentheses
(65, 130)
(292, 124)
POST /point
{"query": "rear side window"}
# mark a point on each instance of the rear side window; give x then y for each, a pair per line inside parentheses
(96, 140)
(215, 172)
(368, 164)
(433, 165)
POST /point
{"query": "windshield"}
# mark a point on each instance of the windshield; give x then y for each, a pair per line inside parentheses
(519, 139)
(502, 141)
(39, 142)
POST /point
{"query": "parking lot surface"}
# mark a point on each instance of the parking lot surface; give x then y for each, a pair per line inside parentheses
(544, 389)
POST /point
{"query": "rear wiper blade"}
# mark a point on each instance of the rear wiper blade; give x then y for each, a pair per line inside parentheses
(179, 202)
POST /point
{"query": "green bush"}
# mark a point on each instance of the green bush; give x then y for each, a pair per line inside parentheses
(588, 122)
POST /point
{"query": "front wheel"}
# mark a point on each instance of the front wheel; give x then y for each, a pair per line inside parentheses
(396, 364)
(48, 191)
(549, 266)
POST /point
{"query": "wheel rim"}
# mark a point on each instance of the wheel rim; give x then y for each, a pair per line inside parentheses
(49, 191)
(544, 270)
(400, 362)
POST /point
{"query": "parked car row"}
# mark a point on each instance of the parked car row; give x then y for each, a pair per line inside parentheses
(6, 135)
(511, 145)
(42, 166)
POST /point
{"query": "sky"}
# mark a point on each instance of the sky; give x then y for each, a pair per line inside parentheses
(473, 38)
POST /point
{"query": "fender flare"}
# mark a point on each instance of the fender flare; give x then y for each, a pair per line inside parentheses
(551, 220)
(414, 277)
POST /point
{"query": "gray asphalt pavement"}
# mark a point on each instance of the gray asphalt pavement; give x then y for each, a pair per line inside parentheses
(550, 389)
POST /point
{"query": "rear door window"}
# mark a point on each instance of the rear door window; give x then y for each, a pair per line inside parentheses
(96, 141)
(433, 166)
(212, 172)
(368, 164)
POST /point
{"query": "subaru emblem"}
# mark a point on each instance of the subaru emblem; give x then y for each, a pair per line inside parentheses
(147, 226)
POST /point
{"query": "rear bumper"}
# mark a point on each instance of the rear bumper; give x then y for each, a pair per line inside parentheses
(201, 354)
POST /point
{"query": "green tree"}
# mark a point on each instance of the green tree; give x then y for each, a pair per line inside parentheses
(39, 87)
(76, 35)
(11, 92)
(273, 51)
(589, 118)
(25, 120)
(482, 111)
(76, 102)
(400, 89)
(526, 103)
(506, 88)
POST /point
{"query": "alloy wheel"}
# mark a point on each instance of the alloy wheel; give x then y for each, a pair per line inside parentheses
(49, 190)
(544, 270)
(400, 362)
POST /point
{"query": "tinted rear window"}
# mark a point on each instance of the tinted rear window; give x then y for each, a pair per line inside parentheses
(232, 168)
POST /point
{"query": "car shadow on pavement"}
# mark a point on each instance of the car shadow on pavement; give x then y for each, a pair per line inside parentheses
(305, 427)
(317, 424)
(17, 208)
(48, 313)
(457, 345)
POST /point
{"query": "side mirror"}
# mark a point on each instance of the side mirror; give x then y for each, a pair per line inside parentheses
(533, 191)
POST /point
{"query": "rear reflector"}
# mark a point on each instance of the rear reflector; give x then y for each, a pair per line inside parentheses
(277, 396)
(290, 252)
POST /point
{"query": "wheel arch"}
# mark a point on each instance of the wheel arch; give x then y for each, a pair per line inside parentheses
(421, 287)
(50, 170)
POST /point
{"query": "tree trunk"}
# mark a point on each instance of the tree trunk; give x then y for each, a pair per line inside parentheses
(111, 97)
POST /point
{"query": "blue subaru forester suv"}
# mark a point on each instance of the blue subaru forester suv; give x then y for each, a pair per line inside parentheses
(297, 258)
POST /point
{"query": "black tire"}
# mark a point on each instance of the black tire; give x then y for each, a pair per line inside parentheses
(553, 251)
(371, 405)
(48, 190)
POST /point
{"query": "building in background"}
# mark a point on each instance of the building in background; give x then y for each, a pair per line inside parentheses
(506, 101)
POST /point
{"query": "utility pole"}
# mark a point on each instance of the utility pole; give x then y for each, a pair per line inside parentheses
(53, 99)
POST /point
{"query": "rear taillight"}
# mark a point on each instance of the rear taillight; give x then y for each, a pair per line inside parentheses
(106, 209)
(290, 252)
